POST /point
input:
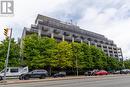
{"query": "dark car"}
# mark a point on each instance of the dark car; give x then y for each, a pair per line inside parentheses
(88, 73)
(91, 73)
(41, 74)
(59, 74)
(1, 78)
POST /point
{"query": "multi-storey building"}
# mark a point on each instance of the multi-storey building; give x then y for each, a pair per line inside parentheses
(62, 31)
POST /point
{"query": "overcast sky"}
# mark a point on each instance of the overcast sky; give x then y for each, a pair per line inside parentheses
(108, 17)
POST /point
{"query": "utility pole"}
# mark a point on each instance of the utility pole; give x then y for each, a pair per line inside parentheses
(77, 73)
(7, 57)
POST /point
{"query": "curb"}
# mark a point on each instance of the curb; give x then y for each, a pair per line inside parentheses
(54, 79)
(39, 80)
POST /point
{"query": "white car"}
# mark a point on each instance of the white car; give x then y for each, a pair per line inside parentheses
(13, 72)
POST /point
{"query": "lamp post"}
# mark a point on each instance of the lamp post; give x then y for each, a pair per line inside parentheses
(7, 57)
(77, 73)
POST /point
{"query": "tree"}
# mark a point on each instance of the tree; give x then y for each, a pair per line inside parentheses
(39, 51)
(113, 63)
(43, 52)
(64, 55)
(99, 58)
(49, 53)
(14, 53)
(127, 64)
(87, 61)
(77, 57)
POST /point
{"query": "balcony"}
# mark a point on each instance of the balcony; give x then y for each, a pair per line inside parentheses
(56, 31)
(104, 46)
(66, 33)
(98, 45)
(89, 39)
(59, 37)
(92, 43)
(45, 34)
(82, 37)
(45, 29)
(105, 50)
(77, 40)
(110, 52)
(34, 27)
(75, 35)
(86, 41)
(96, 41)
(69, 39)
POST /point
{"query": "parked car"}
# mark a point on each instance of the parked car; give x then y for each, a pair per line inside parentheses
(116, 72)
(13, 72)
(1, 78)
(59, 74)
(41, 74)
(102, 72)
(125, 71)
(88, 73)
(91, 73)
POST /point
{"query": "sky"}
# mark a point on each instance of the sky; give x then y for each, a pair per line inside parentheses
(107, 17)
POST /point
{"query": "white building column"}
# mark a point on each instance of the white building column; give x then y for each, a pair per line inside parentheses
(81, 41)
(89, 43)
(52, 35)
(63, 38)
(72, 39)
(113, 51)
(39, 32)
(102, 47)
(96, 44)
(108, 51)
(117, 52)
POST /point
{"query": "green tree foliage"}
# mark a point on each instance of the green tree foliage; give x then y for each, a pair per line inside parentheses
(14, 53)
(39, 51)
(77, 55)
(64, 55)
(87, 61)
(99, 58)
(43, 52)
(127, 63)
(113, 64)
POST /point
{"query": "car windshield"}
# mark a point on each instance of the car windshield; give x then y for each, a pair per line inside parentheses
(4, 71)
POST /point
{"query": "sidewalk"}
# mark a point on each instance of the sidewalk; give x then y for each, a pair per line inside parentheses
(17, 81)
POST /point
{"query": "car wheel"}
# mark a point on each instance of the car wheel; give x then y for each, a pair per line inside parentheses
(21, 78)
(42, 77)
(26, 77)
(1, 78)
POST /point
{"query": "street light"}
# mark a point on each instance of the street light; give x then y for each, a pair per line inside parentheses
(77, 71)
(7, 57)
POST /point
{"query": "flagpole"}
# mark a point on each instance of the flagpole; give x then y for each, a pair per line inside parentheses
(7, 57)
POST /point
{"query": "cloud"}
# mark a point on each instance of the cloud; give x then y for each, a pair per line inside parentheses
(25, 14)
(108, 17)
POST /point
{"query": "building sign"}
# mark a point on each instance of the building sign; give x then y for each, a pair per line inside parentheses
(6, 7)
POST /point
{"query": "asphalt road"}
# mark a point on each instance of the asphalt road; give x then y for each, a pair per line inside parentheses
(118, 81)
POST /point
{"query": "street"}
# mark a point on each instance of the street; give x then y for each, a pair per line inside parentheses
(100, 81)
